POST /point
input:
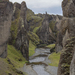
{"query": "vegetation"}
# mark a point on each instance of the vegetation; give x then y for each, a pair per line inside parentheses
(34, 21)
(34, 38)
(51, 46)
(14, 28)
(31, 48)
(15, 25)
(15, 57)
(14, 60)
(35, 29)
(52, 24)
(54, 58)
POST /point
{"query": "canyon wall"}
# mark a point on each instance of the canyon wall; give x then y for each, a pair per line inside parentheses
(49, 28)
(67, 40)
(13, 27)
(6, 9)
(19, 29)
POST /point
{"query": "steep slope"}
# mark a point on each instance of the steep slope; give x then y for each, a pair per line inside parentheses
(14, 60)
(19, 29)
(49, 28)
(5, 23)
(67, 33)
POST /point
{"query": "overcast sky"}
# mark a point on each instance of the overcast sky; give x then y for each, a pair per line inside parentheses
(41, 6)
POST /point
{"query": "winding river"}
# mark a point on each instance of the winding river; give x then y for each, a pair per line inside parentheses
(39, 63)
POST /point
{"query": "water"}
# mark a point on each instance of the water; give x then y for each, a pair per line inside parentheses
(42, 51)
(40, 68)
(37, 59)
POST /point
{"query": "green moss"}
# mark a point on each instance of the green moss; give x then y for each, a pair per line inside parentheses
(34, 20)
(51, 46)
(35, 29)
(52, 24)
(32, 16)
(15, 56)
(14, 28)
(31, 48)
(15, 25)
(54, 58)
(33, 37)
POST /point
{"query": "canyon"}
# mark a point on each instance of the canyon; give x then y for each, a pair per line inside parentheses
(21, 30)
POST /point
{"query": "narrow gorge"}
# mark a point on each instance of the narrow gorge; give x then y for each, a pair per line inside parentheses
(36, 44)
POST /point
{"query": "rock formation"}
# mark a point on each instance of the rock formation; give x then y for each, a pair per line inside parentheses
(43, 31)
(49, 28)
(6, 9)
(67, 40)
(19, 29)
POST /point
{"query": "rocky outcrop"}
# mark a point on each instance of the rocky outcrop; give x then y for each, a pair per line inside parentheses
(67, 31)
(43, 31)
(49, 28)
(6, 9)
(19, 29)
(68, 7)
(22, 41)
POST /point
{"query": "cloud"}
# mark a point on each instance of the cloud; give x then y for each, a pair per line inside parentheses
(42, 5)
(51, 10)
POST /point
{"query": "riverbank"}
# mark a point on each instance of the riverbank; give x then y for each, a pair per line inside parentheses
(14, 60)
(39, 63)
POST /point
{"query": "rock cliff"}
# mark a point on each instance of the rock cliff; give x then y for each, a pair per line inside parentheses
(49, 28)
(6, 9)
(13, 23)
(67, 40)
(19, 29)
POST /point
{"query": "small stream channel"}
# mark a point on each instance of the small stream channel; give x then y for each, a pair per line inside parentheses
(38, 62)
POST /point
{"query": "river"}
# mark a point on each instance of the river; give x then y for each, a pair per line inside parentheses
(39, 63)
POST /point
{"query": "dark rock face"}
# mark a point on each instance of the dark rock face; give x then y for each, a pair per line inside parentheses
(43, 31)
(58, 46)
(19, 29)
(68, 7)
(5, 24)
(67, 31)
(49, 28)
(22, 41)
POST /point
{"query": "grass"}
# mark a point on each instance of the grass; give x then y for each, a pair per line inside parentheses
(31, 48)
(33, 37)
(51, 46)
(14, 56)
(14, 60)
(54, 58)
(35, 29)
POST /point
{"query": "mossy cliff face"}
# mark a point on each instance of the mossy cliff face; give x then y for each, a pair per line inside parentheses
(67, 40)
(13, 24)
(5, 24)
(19, 29)
(43, 31)
(40, 25)
(34, 21)
(14, 60)
(68, 7)
(47, 32)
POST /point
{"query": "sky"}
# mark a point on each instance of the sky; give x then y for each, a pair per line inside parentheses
(42, 6)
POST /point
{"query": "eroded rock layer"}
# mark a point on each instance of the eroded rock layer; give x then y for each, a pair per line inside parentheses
(13, 23)
(6, 9)
(67, 40)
